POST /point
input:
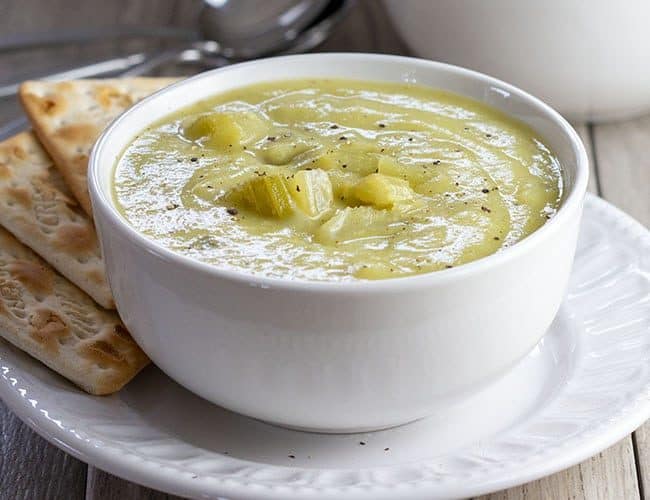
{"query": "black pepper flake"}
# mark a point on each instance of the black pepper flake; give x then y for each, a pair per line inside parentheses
(334, 127)
(232, 211)
(271, 138)
(386, 449)
(488, 135)
(309, 168)
(381, 125)
(343, 138)
(485, 209)
(410, 139)
(291, 456)
(344, 165)
(456, 183)
(172, 206)
(362, 443)
(547, 216)
(298, 188)
(194, 159)
(485, 190)
(496, 238)
(436, 162)
(377, 170)
(466, 128)
(382, 150)
(449, 266)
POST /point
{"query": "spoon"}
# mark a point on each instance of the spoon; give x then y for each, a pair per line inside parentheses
(230, 31)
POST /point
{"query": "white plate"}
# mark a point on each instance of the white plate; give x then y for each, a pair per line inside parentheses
(585, 386)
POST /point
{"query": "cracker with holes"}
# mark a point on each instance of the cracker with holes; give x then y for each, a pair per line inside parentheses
(36, 206)
(48, 317)
(68, 117)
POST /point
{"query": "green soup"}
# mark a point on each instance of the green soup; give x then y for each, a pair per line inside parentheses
(337, 180)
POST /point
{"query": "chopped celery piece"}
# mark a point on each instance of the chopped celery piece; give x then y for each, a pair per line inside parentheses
(312, 191)
(226, 130)
(387, 165)
(343, 183)
(217, 130)
(353, 223)
(383, 191)
(266, 195)
(361, 163)
(281, 153)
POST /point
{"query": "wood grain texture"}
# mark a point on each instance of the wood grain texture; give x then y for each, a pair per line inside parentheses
(623, 159)
(641, 440)
(610, 475)
(104, 486)
(31, 468)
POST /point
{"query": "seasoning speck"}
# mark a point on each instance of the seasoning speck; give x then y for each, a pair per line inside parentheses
(194, 159)
(485, 209)
(386, 449)
(232, 211)
(291, 456)
(171, 206)
(271, 138)
(381, 125)
(343, 138)
(298, 188)
(334, 127)
(485, 190)
(362, 443)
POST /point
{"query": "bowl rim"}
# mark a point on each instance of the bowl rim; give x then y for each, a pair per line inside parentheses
(573, 198)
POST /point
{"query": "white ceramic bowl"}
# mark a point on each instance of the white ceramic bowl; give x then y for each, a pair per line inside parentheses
(588, 59)
(338, 356)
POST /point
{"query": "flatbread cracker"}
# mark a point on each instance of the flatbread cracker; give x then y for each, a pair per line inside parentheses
(48, 317)
(68, 117)
(37, 208)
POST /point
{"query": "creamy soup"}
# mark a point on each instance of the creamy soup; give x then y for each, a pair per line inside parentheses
(337, 180)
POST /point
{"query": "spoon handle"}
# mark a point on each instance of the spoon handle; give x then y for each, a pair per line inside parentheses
(29, 41)
(109, 67)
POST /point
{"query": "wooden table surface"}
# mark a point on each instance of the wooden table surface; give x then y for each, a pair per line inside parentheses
(30, 468)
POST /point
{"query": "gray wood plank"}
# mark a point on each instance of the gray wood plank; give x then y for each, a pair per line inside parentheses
(623, 158)
(104, 486)
(31, 468)
(610, 475)
(641, 440)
